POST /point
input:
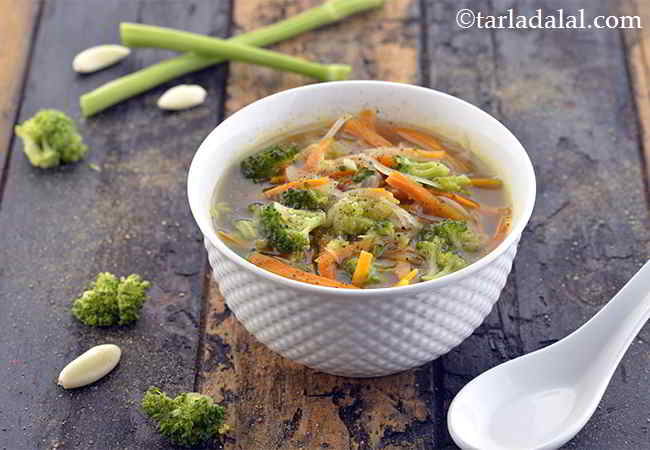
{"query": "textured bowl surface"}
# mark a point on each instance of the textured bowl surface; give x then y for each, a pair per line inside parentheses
(370, 332)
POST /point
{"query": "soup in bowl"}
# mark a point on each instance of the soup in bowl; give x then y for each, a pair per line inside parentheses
(361, 228)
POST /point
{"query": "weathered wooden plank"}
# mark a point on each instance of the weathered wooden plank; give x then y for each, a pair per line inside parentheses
(638, 59)
(273, 403)
(16, 29)
(566, 96)
(61, 227)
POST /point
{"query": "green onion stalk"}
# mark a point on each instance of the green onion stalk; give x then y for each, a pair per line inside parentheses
(137, 35)
(145, 79)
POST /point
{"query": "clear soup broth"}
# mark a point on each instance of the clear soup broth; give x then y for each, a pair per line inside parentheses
(361, 203)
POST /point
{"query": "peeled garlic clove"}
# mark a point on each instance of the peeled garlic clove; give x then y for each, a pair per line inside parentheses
(98, 57)
(182, 96)
(90, 366)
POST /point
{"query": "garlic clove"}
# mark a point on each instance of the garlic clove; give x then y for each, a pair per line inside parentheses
(98, 57)
(90, 366)
(183, 96)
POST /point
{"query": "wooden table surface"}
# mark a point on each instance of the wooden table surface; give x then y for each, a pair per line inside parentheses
(577, 100)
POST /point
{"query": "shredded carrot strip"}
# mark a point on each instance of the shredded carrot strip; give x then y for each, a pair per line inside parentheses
(431, 154)
(486, 183)
(362, 270)
(505, 222)
(387, 160)
(349, 250)
(341, 174)
(457, 198)
(301, 184)
(326, 265)
(369, 118)
(233, 239)
(285, 270)
(423, 196)
(406, 279)
(278, 179)
(317, 153)
(419, 138)
(359, 129)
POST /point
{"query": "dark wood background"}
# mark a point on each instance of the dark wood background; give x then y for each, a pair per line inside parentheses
(577, 100)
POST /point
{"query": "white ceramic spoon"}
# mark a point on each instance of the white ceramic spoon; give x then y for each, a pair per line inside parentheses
(542, 399)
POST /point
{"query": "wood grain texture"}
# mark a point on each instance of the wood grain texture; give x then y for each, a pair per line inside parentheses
(61, 227)
(638, 59)
(566, 96)
(16, 29)
(273, 403)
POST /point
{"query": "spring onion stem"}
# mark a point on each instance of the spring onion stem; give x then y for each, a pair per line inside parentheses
(137, 35)
(135, 83)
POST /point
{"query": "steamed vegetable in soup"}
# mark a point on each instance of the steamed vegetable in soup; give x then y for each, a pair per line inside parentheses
(361, 203)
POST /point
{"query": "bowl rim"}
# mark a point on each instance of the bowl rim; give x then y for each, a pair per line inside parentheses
(323, 291)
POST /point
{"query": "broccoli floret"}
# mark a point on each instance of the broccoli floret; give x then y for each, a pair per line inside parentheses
(439, 259)
(453, 183)
(246, 229)
(362, 174)
(456, 234)
(287, 229)
(267, 163)
(429, 169)
(51, 138)
(384, 228)
(355, 215)
(188, 419)
(350, 265)
(309, 199)
(111, 301)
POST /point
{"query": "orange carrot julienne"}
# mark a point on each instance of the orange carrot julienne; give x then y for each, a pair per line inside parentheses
(406, 279)
(423, 196)
(233, 239)
(278, 179)
(431, 154)
(359, 129)
(341, 174)
(486, 183)
(301, 184)
(369, 118)
(351, 249)
(387, 160)
(419, 138)
(362, 270)
(457, 198)
(285, 270)
(317, 154)
(326, 265)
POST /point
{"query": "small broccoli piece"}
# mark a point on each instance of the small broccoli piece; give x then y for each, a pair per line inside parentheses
(384, 228)
(309, 199)
(356, 214)
(440, 260)
(267, 163)
(246, 229)
(350, 265)
(287, 229)
(51, 138)
(456, 234)
(429, 169)
(188, 419)
(111, 301)
(362, 174)
(453, 183)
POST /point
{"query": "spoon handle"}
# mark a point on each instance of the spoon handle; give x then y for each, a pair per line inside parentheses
(611, 331)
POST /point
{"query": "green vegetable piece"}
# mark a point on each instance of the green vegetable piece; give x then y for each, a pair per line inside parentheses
(429, 169)
(187, 420)
(455, 233)
(362, 174)
(139, 35)
(440, 260)
(51, 138)
(287, 229)
(309, 199)
(148, 78)
(453, 183)
(355, 215)
(111, 301)
(268, 162)
(246, 229)
(350, 265)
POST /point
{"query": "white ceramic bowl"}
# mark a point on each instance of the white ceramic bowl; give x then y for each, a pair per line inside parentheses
(360, 333)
